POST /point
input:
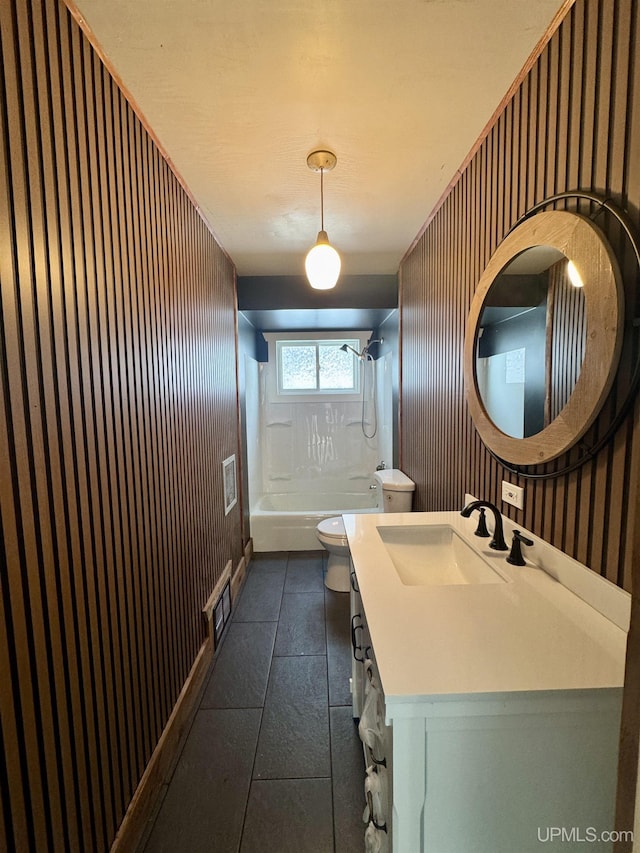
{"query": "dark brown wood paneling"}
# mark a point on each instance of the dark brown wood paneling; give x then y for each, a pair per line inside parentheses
(118, 402)
(574, 123)
(566, 339)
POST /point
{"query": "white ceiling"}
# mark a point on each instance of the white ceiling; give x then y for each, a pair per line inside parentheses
(238, 92)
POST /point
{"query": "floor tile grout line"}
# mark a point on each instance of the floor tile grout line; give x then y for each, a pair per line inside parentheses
(264, 702)
(251, 781)
(292, 779)
(326, 644)
(197, 706)
(185, 737)
(232, 708)
(314, 655)
(304, 592)
(260, 708)
(245, 822)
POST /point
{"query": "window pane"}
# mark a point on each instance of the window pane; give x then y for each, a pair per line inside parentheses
(336, 369)
(298, 364)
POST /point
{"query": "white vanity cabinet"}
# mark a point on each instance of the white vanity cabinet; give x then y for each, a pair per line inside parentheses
(502, 702)
(493, 775)
(376, 736)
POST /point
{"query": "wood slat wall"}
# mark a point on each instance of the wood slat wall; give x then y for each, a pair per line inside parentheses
(574, 123)
(118, 402)
(567, 339)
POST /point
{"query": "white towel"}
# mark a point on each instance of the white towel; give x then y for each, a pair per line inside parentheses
(371, 726)
(373, 839)
(371, 679)
(376, 786)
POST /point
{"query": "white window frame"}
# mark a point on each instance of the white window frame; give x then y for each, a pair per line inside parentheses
(356, 339)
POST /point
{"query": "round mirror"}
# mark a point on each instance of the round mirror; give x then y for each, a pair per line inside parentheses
(543, 337)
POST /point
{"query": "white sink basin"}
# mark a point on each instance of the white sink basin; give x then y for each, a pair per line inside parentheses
(435, 555)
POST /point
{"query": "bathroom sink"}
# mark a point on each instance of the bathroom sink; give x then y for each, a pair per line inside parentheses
(435, 555)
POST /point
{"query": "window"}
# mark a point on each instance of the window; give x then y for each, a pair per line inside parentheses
(317, 367)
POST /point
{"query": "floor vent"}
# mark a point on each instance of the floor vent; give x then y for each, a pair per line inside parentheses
(221, 613)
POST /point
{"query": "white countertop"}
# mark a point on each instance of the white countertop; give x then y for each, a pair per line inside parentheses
(530, 633)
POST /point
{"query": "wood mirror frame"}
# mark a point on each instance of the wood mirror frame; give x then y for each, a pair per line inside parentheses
(583, 243)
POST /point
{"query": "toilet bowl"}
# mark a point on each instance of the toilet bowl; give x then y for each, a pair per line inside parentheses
(333, 537)
(395, 494)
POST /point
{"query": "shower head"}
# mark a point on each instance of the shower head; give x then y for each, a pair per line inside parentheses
(346, 348)
(365, 352)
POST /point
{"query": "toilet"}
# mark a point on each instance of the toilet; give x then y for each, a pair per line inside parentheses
(395, 494)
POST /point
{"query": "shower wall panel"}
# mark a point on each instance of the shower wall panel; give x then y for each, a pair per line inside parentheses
(307, 446)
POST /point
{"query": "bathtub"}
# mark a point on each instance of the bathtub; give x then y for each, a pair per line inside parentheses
(287, 521)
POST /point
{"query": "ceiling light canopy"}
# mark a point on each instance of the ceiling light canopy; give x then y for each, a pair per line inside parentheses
(322, 262)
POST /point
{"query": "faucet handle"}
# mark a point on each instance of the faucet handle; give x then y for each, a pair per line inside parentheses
(515, 555)
(481, 529)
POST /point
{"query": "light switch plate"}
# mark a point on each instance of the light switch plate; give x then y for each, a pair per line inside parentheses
(513, 495)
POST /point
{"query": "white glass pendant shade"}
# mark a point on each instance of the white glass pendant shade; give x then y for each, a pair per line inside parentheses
(322, 264)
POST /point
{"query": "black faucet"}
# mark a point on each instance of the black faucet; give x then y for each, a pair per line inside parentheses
(497, 543)
(515, 555)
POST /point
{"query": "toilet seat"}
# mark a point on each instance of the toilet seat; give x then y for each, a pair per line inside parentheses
(333, 536)
(332, 528)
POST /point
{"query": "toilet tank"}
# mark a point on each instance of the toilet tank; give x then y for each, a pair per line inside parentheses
(395, 490)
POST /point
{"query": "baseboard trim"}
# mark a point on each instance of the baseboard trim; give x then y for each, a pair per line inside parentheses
(207, 610)
(135, 822)
(238, 579)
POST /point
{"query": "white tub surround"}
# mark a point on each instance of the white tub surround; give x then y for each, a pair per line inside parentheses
(320, 502)
(503, 698)
(287, 521)
(311, 445)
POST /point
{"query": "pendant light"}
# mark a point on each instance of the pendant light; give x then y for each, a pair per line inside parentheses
(322, 262)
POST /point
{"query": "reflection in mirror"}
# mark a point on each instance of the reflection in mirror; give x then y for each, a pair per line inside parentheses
(531, 341)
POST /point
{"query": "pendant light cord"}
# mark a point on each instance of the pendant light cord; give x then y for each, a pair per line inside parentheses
(321, 198)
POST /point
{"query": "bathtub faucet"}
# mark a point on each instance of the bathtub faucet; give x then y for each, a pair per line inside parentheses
(381, 466)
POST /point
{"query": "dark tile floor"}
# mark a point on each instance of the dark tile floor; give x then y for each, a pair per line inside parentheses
(273, 762)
